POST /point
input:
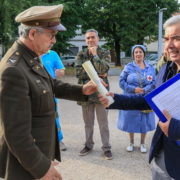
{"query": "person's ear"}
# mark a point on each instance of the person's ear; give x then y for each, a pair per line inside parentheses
(32, 34)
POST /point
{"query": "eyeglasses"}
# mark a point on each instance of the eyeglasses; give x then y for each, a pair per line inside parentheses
(51, 35)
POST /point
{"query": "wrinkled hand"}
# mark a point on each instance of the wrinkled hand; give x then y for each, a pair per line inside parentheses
(165, 126)
(104, 101)
(52, 174)
(139, 90)
(89, 88)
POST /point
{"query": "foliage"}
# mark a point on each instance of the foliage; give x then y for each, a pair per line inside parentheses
(10, 8)
(70, 19)
(125, 22)
(145, 26)
(122, 23)
(8, 11)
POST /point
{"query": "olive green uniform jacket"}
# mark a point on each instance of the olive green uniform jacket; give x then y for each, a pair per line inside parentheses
(28, 135)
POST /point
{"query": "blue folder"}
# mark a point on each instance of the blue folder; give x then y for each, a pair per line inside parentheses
(155, 92)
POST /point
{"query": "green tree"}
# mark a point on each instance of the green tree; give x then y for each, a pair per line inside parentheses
(145, 18)
(71, 19)
(124, 23)
(8, 11)
(10, 8)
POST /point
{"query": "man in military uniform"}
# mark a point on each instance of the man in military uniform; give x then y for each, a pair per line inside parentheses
(99, 59)
(28, 142)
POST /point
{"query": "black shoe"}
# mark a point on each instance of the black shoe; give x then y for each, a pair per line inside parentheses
(62, 146)
(108, 155)
(84, 151)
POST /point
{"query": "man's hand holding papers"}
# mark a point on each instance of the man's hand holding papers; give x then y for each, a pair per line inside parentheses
(104, 100)
(89, 88)
(165, 125)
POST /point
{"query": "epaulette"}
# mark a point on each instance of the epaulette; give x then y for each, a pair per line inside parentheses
(14, 58)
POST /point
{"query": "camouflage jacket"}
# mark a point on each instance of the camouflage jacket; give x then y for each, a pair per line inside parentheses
(100, 63)
(163, 60)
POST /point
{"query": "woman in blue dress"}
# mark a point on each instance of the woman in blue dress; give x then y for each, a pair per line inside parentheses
(138, 77)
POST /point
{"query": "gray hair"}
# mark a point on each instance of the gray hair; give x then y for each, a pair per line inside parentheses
(92, 30)
(172, 21)
(23, 30)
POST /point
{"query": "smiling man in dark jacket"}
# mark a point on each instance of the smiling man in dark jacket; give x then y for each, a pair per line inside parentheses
(164, 149)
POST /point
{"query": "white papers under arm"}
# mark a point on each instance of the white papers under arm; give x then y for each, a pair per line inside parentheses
(89, 68)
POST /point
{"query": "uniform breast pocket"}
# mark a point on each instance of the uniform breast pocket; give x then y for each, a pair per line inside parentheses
(43, 99)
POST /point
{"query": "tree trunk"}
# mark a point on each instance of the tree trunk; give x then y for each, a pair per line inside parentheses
(113, 55)
(1, 4)
(117, 49)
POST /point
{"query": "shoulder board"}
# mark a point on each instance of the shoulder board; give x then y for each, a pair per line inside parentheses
(14, 58)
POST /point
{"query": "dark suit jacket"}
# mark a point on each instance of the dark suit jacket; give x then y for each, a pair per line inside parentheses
(28, 141)
(159, 141)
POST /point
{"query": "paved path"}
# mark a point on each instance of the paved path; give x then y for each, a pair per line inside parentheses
(124, 166)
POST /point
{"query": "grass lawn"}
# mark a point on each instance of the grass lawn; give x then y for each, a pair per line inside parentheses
(70, 71)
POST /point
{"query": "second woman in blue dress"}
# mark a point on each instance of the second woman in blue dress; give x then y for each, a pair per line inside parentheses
(138, 77)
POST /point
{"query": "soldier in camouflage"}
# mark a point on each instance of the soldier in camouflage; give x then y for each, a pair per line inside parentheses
(99, 59)
(163, 60)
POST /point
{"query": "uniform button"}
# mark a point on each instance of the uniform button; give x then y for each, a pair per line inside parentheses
(17, 53)
(31, 61)
(38, 80)
(34, 140)
(44, 91)
(37, 67)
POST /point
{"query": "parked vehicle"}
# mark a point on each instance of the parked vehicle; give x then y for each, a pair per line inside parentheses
(68, 60)
(152, 59)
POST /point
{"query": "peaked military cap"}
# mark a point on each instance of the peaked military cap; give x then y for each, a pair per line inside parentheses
(47, 17)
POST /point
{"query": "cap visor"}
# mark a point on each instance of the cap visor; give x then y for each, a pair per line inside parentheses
(59, 27)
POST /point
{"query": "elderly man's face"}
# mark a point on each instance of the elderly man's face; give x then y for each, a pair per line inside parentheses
(172, 42)
(43, 41)
(91, 39)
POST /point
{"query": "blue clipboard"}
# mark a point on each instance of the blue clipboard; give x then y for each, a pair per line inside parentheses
(155, 92)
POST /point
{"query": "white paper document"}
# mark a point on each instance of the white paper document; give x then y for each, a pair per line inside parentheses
(89, 68)
(166, 97)
(169, 99)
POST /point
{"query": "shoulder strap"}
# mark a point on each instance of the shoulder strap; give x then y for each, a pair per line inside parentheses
(139, 79)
